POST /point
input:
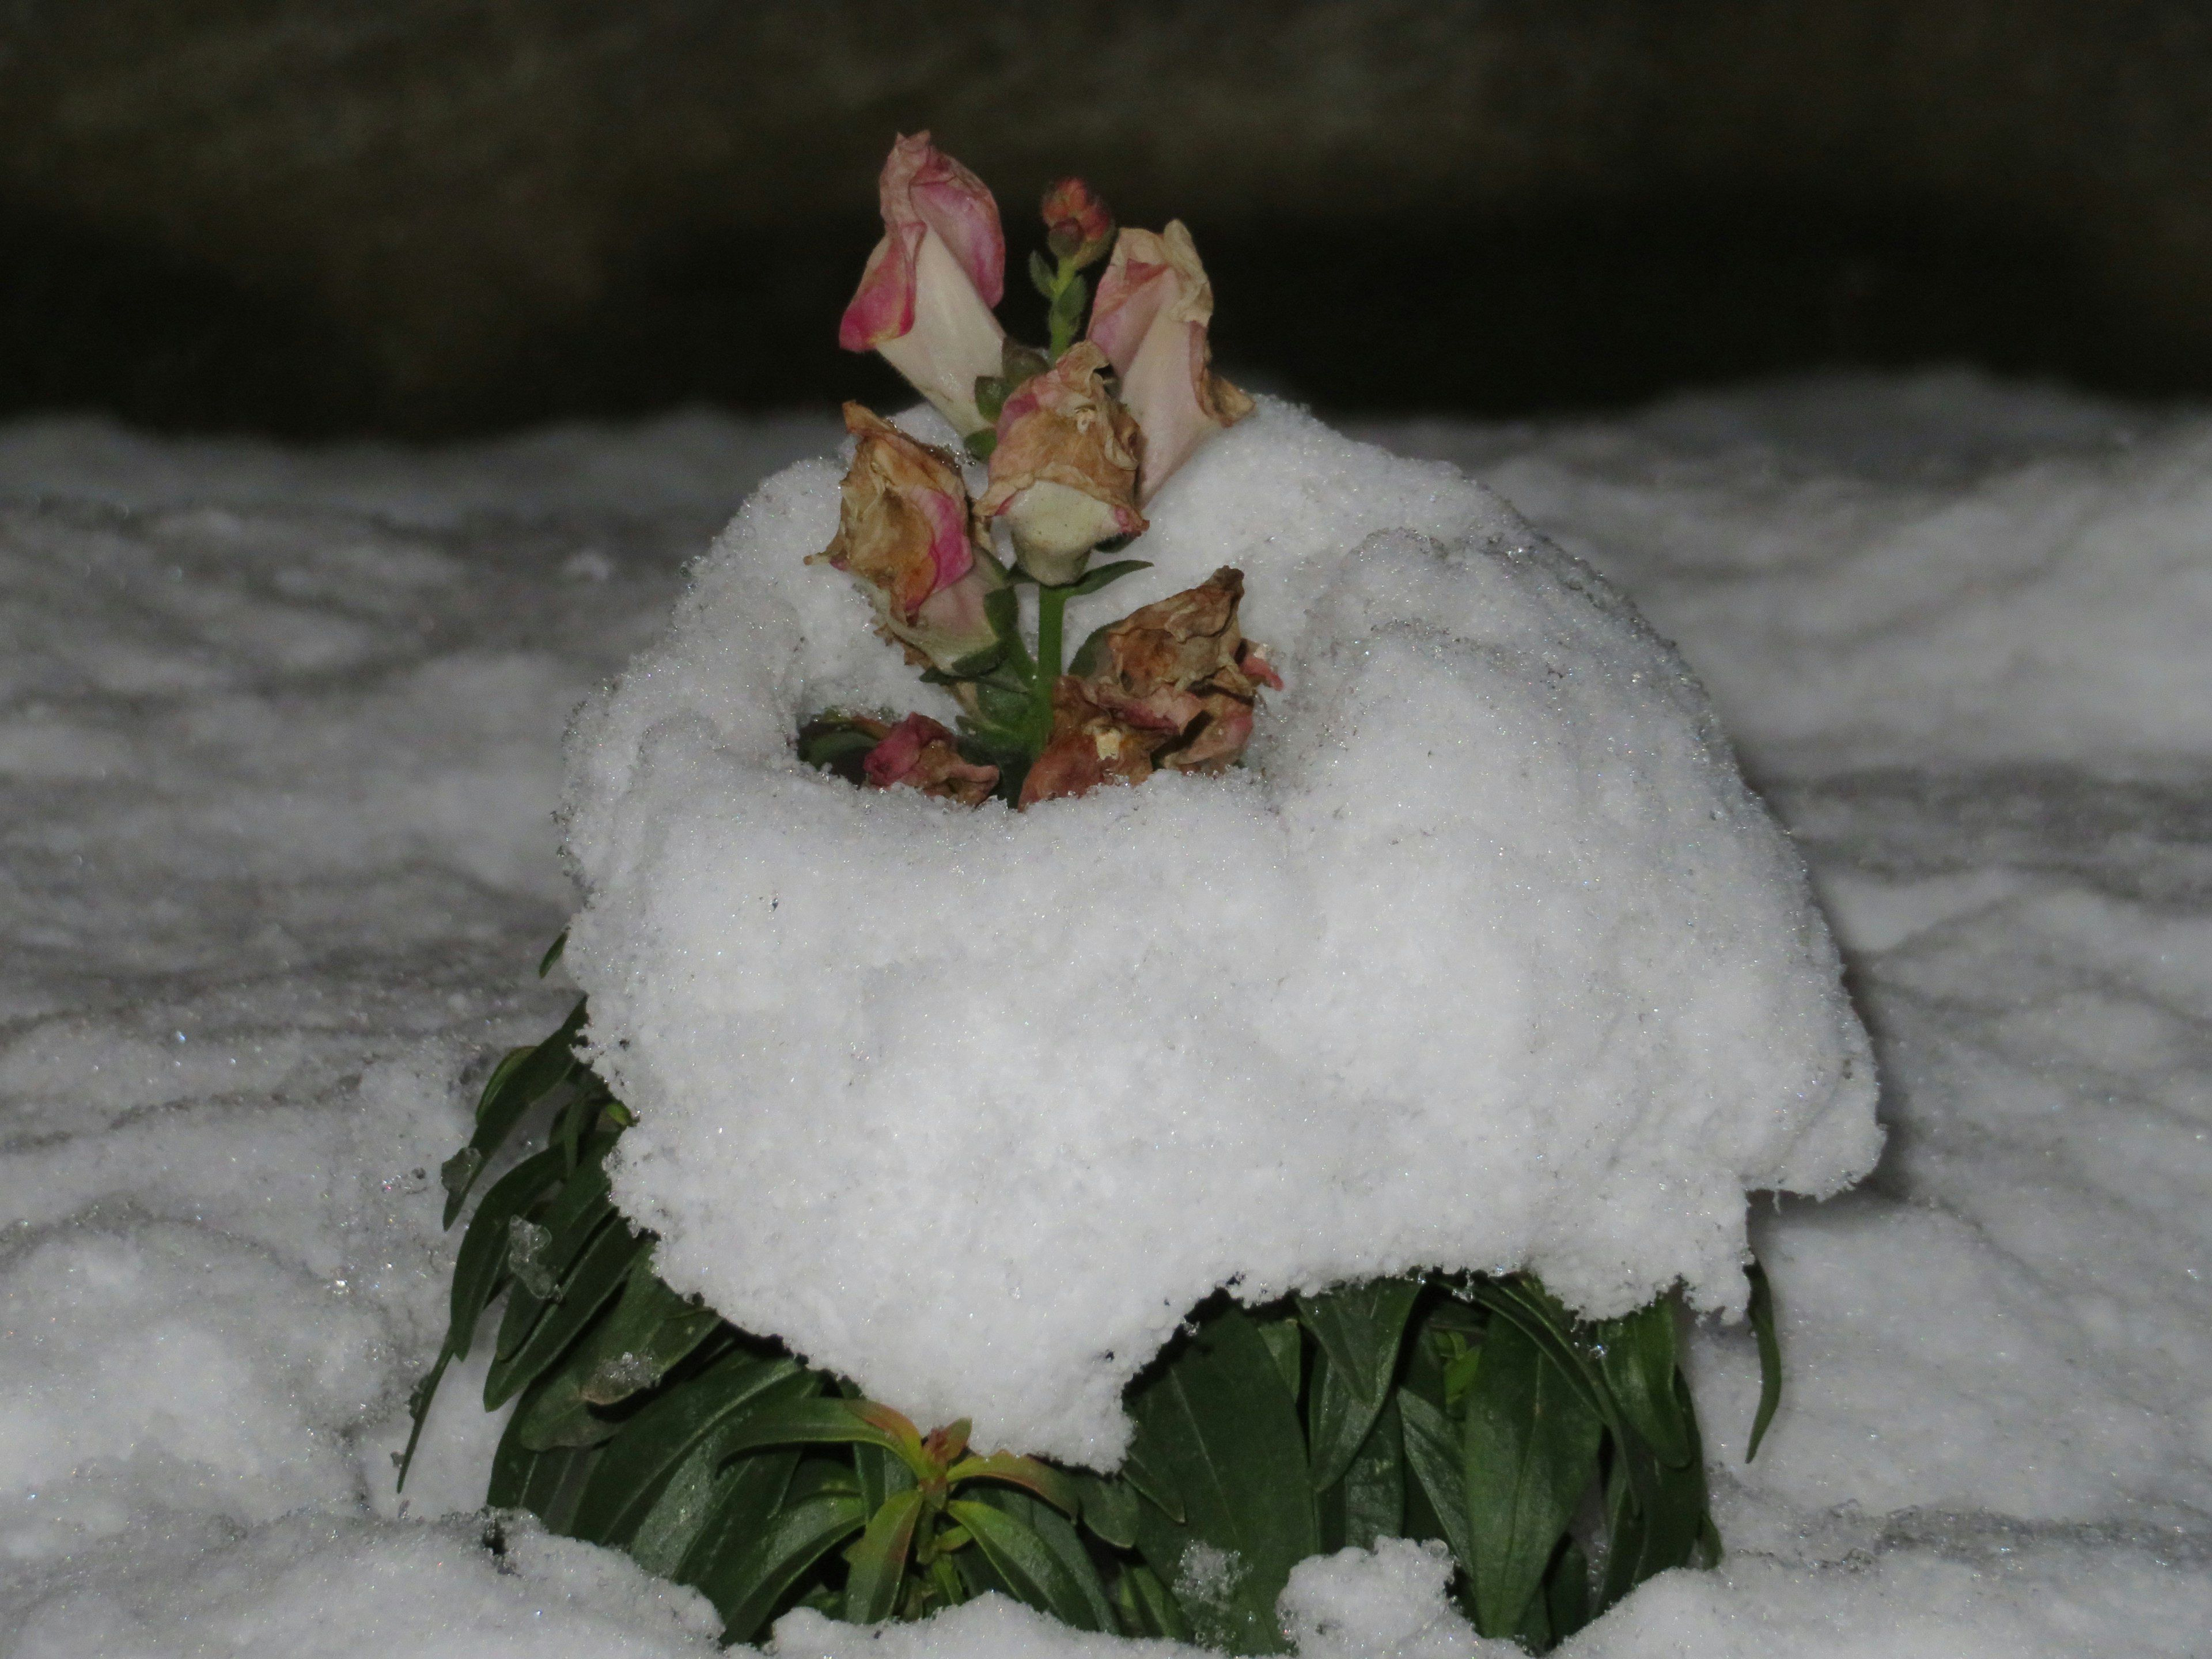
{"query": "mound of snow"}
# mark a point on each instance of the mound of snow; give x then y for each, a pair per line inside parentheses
(1487, 959)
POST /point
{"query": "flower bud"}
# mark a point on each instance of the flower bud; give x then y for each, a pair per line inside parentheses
(1173, 689)
(1150, 319)
(925, 298)
(1077, 225)
(906, 532)
(1064, 474)
(919, 754)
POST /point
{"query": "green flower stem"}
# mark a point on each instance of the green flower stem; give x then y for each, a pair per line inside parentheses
(1052, 605)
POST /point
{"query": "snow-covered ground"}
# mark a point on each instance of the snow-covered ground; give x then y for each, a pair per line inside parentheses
(279, 742)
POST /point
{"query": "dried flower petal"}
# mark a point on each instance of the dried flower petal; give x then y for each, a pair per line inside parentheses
(1064, 474)
(919, 754)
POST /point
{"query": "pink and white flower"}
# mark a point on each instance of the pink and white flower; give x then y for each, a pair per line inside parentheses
(1064, 474)
(906, 533)
(1150, 319)
(925, 299)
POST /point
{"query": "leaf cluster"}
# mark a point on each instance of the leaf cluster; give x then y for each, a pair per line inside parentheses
(1559, 1461)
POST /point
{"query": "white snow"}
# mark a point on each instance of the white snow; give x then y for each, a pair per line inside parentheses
(279, 741)
(1487, 960)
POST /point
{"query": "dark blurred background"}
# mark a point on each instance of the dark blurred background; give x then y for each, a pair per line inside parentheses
(425, 217)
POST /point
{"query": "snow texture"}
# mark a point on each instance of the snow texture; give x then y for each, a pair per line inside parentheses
(280, 739)
(1487, 960)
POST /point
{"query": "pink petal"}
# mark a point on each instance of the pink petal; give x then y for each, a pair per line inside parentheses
(1130, 295)
(948, 546)
(882, 306)
(922, 184)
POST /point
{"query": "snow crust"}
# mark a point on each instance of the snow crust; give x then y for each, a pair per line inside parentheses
(1488, 959)
(280, 739)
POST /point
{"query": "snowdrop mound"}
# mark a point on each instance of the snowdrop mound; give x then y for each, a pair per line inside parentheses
(1488, 960)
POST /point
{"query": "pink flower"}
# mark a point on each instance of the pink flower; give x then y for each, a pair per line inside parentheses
(919, 754)
(1150, 319)
(906, 532)
(1064, 474)
(925, 300)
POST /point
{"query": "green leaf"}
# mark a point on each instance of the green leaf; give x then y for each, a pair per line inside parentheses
(599, 1274)
(991, 391)
(1770, 1354)
(1042, 275)
(1145, 1608)
(1151, 1482)
(1433, 1453)
(1218, 1415)
(1539, 1316)
(747, 1583)
(1657, 1517)
(1281, 1336)
(1046, 1482)
(879, 1560)
(1531, 1443)
(706, 1508)
(1636, 1356)
(1099, 575)
(1109, 1508)
(1060, 1581)
(516, 1085)
(483, 1255)
(685, 1426)
(1374, 1485)
(651, 1331)
(553, 952)
(1360, 1329)
(824, 1422)
(418, 1408)
(1567, 1593)
(980, 444)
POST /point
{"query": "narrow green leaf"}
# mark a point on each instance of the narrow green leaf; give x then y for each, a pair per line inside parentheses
(1434, 1454)
(553, 952)
(813, 1422)
(483, 1255)
(1539, 1316)
(1066, 1544)
(651, 1330)
(1374, 1485)
(1099, 575)
(1567, 1593)
(1066, 308)
(1042, 275)
(1030, 1568)
(748, 1583)
(1218, 1414)
(1152, 1482)
(1770, 1354)
(705, 1502)
(1110, 1509)
(606, 1262)
(515, 1085)
(1657, 1517)
(556, 1242)
(1360, 1329)
(1046, 1482)
(1145, 1608)
(684, 1427)
(1636, 1356)
(1531, 1445)
(418, 1408)
(1281, 1336)
(879, 1560)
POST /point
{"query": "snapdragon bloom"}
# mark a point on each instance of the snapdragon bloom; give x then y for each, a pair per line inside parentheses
(919, 754)
(1150, 319)
(926, 298)
(1064, 474)
(906, 533)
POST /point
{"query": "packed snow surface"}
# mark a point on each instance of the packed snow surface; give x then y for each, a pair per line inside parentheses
(1487, 959)
(280, 742)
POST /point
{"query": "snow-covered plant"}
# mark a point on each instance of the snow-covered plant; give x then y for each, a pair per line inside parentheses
(1559, 1459)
